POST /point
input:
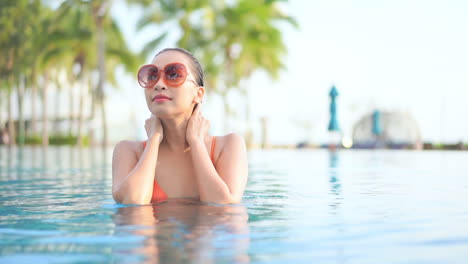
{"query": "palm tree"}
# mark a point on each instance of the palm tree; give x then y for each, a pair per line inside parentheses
(100, 10)
(36, 43)
(252, 42)
(78, 46)
(102, 52)
(231, 40)
(112, 51)
(17, 26)
(41, 43)
(49, 54)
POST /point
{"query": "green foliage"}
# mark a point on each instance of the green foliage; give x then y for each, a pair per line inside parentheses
(33, 37)
(78, 18)
(39, 44)
(31, 140)
(232, 39)
(438, 146)
(62, 140)
(67, 139)
(17, 29)
(56, 139)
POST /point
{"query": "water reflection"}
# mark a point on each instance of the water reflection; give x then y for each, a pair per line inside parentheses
(335, 204)
(335, 183)
(185, 231)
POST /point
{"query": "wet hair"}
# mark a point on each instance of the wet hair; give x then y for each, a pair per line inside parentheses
(196, 67)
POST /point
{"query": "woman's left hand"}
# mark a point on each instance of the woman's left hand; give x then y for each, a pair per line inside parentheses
(197, 127)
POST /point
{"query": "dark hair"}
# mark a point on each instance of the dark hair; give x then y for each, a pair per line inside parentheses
(196, 67)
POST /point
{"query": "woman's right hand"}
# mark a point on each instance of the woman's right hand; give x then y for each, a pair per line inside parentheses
(154, 127)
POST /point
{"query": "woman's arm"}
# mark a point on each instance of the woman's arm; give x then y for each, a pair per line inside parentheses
(226, 182)
(132, 179)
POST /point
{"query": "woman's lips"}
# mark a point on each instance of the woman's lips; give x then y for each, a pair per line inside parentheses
(160, 98)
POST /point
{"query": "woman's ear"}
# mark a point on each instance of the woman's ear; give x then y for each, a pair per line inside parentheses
(200, 93)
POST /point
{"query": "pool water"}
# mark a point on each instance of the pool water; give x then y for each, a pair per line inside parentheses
(300, 206)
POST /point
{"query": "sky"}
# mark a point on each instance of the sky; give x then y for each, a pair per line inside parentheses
(397, 55)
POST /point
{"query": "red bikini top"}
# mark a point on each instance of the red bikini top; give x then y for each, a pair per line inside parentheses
(159, 194)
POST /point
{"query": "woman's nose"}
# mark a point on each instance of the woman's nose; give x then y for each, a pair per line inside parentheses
(159, 86)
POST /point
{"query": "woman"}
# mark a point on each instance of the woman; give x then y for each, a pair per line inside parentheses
(179, 159)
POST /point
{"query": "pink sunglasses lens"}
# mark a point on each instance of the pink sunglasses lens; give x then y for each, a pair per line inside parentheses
(175, 74)
(148, 76)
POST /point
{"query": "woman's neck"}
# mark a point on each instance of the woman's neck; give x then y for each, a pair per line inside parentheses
(174, 136)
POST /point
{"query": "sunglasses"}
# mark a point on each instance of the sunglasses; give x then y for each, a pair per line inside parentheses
(174, 74)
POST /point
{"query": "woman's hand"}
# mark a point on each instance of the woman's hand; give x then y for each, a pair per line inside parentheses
(154, 127)
(197, 127)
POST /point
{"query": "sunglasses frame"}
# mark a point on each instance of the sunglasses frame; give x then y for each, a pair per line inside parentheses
(186, 76)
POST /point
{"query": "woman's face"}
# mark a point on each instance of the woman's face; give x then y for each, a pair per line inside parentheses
(181, 98)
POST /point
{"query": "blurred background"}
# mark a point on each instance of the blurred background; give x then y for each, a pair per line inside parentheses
(297, 74)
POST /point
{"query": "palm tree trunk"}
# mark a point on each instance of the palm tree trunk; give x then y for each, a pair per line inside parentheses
(102, 70)
(80, 112)
(72, 106)
(90, 120)
(11, 123)
(33, 108)
(1, 112)
(248, 129)
(265, 139)
(45, 131)
(55, 121)
(104, 124)
(20, 97)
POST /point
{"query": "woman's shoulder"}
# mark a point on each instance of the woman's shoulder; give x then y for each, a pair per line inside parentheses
(231, 138)
(229, 141)
(229, 147)
(131, 146)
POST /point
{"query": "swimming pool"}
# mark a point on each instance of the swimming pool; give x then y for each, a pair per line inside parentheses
(300, 206)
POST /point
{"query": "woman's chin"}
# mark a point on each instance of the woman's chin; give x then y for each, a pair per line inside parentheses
(161, 113)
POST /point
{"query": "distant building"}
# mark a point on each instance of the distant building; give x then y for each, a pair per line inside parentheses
(398, 130)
